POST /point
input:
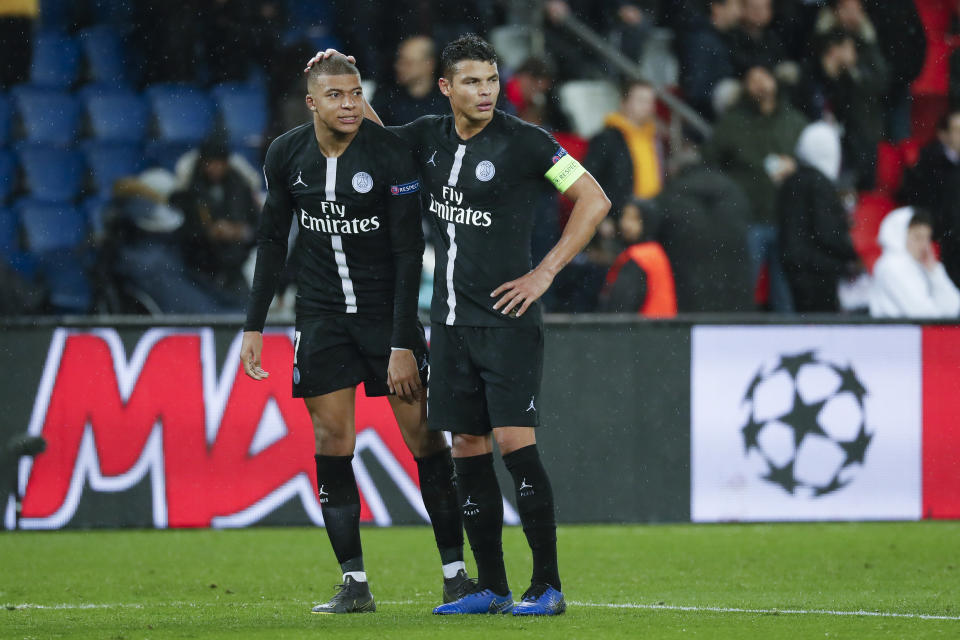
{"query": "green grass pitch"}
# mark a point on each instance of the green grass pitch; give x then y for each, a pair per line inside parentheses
(676, 581)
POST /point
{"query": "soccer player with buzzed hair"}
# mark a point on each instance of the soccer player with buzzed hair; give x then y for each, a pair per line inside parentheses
(482, 171)
(353, 189)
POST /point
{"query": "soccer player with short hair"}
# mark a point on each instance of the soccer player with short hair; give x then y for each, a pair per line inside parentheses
(482, 171)
(353, 188)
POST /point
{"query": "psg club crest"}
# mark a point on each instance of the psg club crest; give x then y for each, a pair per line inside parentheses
(485, 171)
(806, 420)
(362, 182)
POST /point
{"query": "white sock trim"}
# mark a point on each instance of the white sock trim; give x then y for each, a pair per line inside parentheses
(450, 570)
(358, 576)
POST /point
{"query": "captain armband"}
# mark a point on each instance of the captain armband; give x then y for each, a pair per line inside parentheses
(565, 171)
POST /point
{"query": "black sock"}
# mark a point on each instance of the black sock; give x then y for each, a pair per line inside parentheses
(440, 498)
(482, 507)
(340, 504)
(537, 513)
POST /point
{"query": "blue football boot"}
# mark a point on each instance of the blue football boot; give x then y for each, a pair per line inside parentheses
(540, 600)
(483, 601)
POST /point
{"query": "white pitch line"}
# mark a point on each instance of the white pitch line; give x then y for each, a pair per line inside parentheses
(70, 606)
(597, 605)
(811, 612)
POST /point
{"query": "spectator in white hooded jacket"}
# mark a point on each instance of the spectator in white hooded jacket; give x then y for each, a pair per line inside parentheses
(908, 280)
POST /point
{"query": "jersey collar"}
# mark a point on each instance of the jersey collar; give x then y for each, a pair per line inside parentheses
(456, 139)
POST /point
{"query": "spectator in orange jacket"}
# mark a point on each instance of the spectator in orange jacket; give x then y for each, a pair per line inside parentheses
(641, 279)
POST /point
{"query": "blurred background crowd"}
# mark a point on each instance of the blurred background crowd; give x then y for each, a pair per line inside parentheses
(791, 156)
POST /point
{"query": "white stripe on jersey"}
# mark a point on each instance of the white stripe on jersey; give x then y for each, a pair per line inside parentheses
(331, 184)
(349, 297)
(452, 233)
(457, 163)
(451, 257)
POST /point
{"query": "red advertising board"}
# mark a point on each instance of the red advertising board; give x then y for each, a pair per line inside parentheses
(941, 429)
(219, 449)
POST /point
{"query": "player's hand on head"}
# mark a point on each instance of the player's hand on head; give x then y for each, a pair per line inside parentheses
(323, 55)
(517, 295)
(250, 350)
(403, 376)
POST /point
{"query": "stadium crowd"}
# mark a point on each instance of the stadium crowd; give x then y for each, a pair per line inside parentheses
(131, 135)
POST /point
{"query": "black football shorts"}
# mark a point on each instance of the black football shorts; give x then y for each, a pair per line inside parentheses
(484, 377)
(340, 351)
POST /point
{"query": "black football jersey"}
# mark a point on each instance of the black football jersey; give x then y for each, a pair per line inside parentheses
(360, 240)
(479, 195)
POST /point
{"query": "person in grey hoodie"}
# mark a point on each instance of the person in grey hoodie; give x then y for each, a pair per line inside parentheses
(814, 235)
(908, 280)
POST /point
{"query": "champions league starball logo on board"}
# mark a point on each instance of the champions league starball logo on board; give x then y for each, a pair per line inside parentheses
(793, 423)
(806, 425)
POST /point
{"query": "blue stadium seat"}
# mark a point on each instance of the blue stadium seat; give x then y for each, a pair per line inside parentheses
(8, 174)
(183, 114)
(51, 174)
(116, 115)
(243, 111)
(116, 13)
(56, 14)
(106, 60)
(253, 155)
(93, 210)
(56, 61)
(49, 116)
(109, 161)
(56, 235)
(165, 154)
(308, 14)
(9, 235)
(308, 21)
(11, 249)
(6, 119)
(49, 226)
